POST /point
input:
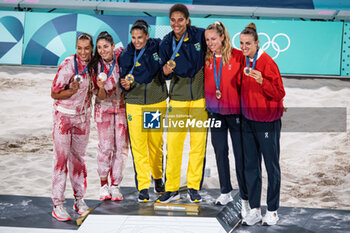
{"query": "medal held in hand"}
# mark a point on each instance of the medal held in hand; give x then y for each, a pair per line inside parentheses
(172, 64)
(217, 78)
(176, 49)
(247, 70)
(130, 77)
(78, 77)
(103, 76)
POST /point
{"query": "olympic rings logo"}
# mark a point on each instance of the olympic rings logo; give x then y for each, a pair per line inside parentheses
(269, 42)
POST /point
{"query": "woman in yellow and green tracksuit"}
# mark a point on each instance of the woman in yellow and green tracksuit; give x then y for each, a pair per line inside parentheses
(185, 46)
(145, 107)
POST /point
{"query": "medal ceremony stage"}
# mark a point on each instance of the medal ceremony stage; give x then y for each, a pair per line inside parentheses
(33, 214)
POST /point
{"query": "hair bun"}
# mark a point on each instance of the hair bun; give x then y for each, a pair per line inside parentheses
(251, 26)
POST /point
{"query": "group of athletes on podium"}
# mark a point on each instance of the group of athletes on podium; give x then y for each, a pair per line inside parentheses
(210, 79)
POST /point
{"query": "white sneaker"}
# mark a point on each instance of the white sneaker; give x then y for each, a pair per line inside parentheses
(245, 208)
(60, 213)
(223, 199)
(253, 217)
(104, 192)
(80, 206)
(116, 194)
(270, 218)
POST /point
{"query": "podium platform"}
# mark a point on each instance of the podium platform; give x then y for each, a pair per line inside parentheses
(33, 214)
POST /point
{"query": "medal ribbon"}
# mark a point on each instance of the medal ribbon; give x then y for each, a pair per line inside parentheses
(136, 59)
(177, 48)
(111, 69)
(254, 60)
(76, 66)
(216, 75)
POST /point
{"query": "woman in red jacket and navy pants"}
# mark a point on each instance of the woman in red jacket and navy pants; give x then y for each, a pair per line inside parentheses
(223, 72)
(262, 95)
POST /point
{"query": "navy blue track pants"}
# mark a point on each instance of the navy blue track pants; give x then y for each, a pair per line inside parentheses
(219, 139)
(262, 139)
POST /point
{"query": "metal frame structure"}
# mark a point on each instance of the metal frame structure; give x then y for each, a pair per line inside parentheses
(152, 9)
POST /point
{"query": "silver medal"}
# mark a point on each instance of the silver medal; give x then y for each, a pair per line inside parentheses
(102, 76)
(78, 78)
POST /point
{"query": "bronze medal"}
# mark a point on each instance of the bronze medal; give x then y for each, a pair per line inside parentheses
(172, 64)
(218, 94)
(247, 70)
(129, 78)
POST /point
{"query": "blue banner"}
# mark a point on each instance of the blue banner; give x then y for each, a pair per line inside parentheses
(11, 40)
(50, 38)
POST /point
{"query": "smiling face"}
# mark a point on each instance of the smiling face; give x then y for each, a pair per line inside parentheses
(105, 49)
(84, 50)
(214, 41)
(248, 45)
(139, 38)
(178, 23)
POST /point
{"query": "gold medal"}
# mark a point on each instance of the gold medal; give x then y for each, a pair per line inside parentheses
(129, 78)
(247, 70)
(172, 64)
(218, 94)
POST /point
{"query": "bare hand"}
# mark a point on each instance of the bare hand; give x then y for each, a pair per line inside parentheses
(256, 75)
(100, 83)
(167, 70)
(125, 84)
(75, 87)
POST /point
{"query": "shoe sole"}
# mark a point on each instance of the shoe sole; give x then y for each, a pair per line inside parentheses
(77, 210)
(268, 224)
(117, 199)
(173, 198)
(58, 218)
(245, 223)
(195, 201)
(143, 201)
(105, 198)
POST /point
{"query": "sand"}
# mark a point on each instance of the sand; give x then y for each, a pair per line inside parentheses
(315, 166)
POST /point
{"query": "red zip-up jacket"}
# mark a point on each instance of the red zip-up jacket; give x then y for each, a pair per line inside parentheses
(263, 102)
(229, 86)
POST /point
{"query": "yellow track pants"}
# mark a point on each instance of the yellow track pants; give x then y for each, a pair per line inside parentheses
(146, 144)
(185, 111)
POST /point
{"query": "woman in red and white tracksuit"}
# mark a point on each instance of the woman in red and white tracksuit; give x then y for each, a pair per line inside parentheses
(109, 116)
(223, 73)
(262, 95)
(71, 117)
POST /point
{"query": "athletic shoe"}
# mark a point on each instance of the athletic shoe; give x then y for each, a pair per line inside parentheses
(245, 208)
(60, 213)
(253, 217)
(270, 218)
(159, 186)
(194, 196)
(80, 206)
(168, 197)
(223, 199)
(104, 192)
(143, 196)
(116, 194)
